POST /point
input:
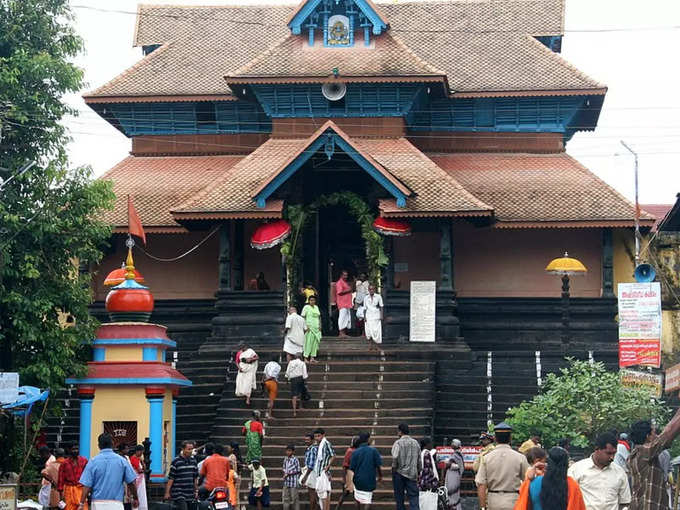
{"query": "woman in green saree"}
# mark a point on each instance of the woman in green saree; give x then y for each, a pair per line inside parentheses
(312, 316)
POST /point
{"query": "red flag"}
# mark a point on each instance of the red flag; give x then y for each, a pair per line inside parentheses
(134, 223)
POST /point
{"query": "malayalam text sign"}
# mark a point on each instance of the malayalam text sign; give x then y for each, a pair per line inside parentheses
(637, 379)
(422, 312)
(8, 497)
(673, 378)
(639, 324)
(9, 387)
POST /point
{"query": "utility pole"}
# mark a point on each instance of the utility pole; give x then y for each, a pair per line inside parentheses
(637, 206)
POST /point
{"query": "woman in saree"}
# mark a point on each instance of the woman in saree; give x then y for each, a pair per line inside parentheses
(312, 316)
(246, 380)
(138, 465)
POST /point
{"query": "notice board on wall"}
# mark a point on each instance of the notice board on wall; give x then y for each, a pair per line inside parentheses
(423, 309)
(639, 324)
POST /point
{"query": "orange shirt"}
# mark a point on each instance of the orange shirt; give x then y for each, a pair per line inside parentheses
(216, 471)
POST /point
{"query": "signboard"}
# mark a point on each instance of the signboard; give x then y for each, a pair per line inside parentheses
(673, 378)
(8, 497)
(470, 454)
(639, 324)
(9, 387)
(444, 454)
(122, 432)
(646, 380)
(422, 312)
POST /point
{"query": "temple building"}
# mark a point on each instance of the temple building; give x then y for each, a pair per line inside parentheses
(337, 122)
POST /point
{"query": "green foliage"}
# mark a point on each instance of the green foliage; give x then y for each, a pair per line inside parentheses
(49, 216)
(298, 215)
(580, 402)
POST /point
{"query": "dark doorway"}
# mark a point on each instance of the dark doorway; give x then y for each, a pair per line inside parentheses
(332, 242)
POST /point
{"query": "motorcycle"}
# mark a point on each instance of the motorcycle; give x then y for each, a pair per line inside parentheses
(217, 500)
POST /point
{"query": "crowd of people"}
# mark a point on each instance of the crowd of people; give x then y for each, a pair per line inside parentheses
(628, 470)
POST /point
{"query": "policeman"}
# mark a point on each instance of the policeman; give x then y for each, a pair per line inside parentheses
(487, 445)
(501, 472)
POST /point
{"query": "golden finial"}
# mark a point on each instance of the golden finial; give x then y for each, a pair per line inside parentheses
(129, 262)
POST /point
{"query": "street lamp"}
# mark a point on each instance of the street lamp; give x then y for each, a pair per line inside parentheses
(565, 266)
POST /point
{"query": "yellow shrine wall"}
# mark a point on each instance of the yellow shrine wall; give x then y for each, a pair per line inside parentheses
(119, 403)
(115, 353)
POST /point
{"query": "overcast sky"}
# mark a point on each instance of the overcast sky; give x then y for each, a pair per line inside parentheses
(628, 45)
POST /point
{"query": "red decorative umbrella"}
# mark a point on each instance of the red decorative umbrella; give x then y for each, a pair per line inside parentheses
(391, 227)
(117, 276)
(270, 234)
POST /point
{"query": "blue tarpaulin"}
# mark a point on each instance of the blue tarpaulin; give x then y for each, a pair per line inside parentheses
(28, 395)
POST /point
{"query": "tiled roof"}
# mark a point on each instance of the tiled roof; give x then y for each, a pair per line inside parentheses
(158, 184)
(536, 189)
(659, 211)
(293, 57)
(433, 190)
(482, 46)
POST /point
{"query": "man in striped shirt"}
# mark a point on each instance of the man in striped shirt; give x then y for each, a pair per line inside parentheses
(182, 483)
(309, 478)
(322, 467)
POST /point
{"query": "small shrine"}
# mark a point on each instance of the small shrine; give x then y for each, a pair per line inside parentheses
(130, 391)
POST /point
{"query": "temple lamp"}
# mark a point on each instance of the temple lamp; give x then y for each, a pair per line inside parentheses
(565, 266)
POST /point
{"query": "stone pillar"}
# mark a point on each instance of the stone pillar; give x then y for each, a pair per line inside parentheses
(86, 396)
(446, 255)
(607, 263)
(156, 396)
(237, 257)
(173, 443)
(225, 256)
(447, 322)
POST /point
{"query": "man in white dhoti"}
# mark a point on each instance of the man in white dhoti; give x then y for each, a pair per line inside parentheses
(294, 339)
(246, 380)
(373, 304)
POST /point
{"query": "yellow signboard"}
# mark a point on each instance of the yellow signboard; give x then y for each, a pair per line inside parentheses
(8, 497)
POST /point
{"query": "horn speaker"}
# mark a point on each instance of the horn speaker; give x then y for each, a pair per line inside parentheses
(644, 273)
(334, 91)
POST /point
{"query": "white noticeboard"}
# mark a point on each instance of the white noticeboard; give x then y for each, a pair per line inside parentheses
(639, 324)
(422, 311)
(9, 387)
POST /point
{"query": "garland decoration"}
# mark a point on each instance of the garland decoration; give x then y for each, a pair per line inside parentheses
(298, 216)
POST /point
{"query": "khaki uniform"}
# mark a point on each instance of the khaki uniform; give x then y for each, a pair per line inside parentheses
(502, 470)
(485, 450)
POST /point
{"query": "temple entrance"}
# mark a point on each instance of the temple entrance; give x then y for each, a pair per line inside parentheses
(332, 242)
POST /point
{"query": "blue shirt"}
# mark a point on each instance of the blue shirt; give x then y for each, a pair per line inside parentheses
(105, 475)
(535, 493)
(310, 456)
(364, 463)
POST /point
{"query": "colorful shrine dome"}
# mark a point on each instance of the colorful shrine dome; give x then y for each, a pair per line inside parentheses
(129, 301)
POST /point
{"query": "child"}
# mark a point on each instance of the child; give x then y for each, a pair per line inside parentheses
(537, 458)
(291, 479)
(259, 490)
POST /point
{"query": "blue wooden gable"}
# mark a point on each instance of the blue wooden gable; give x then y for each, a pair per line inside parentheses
(337, 21)
(330, 142)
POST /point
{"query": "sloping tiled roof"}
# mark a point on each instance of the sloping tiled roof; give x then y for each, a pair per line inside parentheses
(535, 190)
(659, 211)
(434, 191)
(293, 57)
(483, 46)
(158, 184)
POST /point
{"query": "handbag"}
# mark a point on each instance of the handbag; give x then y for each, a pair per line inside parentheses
(428, 500)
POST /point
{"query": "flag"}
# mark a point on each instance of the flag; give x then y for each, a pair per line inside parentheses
(134, 223)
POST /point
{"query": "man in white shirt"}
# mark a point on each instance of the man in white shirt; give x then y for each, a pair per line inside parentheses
(603, 483)
(296, 373)
(373, 304)
(294, 339)
(270, 382)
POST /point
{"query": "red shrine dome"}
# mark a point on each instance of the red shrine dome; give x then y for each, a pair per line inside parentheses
(129, 301)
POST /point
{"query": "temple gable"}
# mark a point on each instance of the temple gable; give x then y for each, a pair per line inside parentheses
(337, 22)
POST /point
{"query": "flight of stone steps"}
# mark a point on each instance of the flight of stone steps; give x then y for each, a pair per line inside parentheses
(353, 389)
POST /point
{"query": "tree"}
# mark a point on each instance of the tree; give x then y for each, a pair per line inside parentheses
(49, 214)
(580, 402)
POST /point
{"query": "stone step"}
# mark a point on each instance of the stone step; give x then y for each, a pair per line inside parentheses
(328, 421)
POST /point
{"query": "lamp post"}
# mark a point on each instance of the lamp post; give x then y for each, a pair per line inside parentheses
(565, 266)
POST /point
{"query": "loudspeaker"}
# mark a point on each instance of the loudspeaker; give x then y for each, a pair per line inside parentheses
(334, 91)
(644, 273)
